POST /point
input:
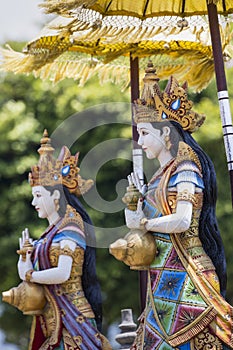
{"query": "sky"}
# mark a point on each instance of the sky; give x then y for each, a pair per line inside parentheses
(21, 20)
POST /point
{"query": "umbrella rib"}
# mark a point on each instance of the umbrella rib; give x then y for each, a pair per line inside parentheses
(145, 8)
(183, 6)
(109, 4)
(224, 5)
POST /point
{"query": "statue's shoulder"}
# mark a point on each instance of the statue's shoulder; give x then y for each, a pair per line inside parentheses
(71, 219)
(186, 157)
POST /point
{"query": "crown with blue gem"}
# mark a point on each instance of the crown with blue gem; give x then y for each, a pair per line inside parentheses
(61, 171)
(172, 104)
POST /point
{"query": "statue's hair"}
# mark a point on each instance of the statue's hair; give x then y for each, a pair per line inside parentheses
(208, 227)
(90, 282)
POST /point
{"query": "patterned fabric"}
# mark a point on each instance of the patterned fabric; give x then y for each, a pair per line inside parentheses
(180, 311)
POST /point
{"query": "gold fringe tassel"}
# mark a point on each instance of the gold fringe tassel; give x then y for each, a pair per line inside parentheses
(194, 329)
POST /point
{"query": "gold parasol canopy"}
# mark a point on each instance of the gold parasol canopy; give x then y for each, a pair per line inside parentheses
(178, 46)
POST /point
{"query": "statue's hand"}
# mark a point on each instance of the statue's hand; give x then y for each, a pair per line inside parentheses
(25, 238)
(133, 178)
(24, 266)
(25, 244)
(24, 262)
(133, 218)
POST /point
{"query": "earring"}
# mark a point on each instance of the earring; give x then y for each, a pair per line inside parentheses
(57, 206)
(167, 142)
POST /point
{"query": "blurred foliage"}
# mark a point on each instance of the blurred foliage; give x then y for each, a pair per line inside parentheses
(27, 106)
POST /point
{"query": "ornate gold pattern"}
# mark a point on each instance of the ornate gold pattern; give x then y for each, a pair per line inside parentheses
(71, 217)
(172, 104)
(48, 321)
(186, 153)
(186, 196)
(52, 324)
(71, 343)
(190, 238)
(206, 340)
(73, 286)
(61, 171)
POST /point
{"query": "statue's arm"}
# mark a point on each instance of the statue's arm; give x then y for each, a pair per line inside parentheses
(61, 273)
(178, 221)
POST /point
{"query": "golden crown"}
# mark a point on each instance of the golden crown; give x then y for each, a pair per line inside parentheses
(61, 171)
(172, 104)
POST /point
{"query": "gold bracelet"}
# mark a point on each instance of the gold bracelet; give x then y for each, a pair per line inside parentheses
(28, 275)
(143, 223)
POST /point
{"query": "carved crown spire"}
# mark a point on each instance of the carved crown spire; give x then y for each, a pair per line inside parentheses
(61, 171)
(172, 104)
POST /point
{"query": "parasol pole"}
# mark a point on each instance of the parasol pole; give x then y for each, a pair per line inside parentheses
(137, 158)
(137, 150)
(223, 96)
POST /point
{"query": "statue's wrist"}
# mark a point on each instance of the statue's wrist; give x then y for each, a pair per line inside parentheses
(28, 275)
(143, 223)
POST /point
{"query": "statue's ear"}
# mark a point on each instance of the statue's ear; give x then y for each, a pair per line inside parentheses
(64, 153)
(166, 131)
(56, 194)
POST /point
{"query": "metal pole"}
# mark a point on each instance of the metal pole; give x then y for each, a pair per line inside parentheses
(137, 159)
(223, 97)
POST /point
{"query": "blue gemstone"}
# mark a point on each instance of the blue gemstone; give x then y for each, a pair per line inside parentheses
(175, 105)
(65, 170)
(55, 177)
(164, 116)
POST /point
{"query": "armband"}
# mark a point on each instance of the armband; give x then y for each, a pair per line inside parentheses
(186, 196)
(66, 251)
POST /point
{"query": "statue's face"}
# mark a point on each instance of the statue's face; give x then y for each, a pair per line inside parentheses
(151, 140)
(43, 201)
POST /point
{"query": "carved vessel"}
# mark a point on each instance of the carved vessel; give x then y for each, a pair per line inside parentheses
(136, 249)
(131, 197)
(27, 297)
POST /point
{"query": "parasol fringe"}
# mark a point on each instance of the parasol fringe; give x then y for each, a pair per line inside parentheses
(198, 74)
(80, 35)
(64, 7)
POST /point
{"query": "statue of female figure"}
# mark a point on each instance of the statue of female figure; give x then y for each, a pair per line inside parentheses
(185, 306)
(62, 260)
